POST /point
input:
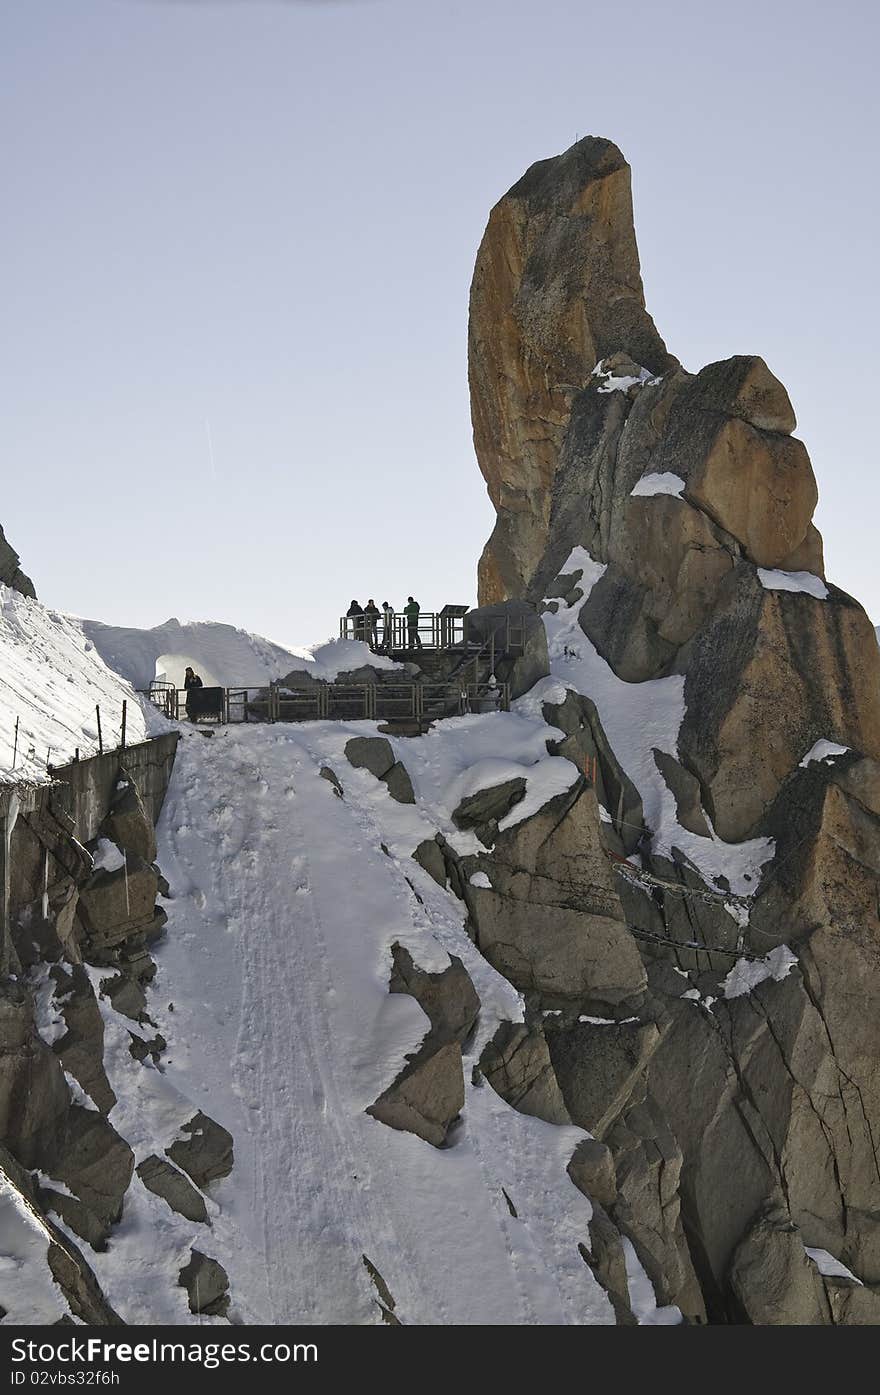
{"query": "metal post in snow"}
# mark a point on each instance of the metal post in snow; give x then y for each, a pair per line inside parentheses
(5, 937)
(124, 715)
(100, 737)
(15, 747)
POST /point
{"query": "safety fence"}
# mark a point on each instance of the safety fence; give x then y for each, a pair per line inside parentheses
(330, 702)
(28, 757)
(452, 630)
(389, 631)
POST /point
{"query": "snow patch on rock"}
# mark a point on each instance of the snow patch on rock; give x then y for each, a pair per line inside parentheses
(746, 974)
(636, 718)
(807, 582)
(830, 1267)
(642, 1297)
(663, 483)
(107, 857)
(29, 1292)
(824, 752)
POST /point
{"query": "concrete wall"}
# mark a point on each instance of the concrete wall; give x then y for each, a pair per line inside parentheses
(34, 826)
(93, 782)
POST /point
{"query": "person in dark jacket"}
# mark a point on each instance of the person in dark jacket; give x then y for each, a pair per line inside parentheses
(191, 682)
(412, 610)
(355, 614)
(371, 620)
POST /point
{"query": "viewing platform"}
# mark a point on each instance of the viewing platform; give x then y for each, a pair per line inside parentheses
(449, 673)
(410, 703)
(440, 629)
(455, 632)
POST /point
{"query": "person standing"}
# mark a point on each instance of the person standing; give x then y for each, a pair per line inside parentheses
(355, 614)
(192, 682)
(387, 628)
(371, 620)
(412, 610)
(492, 700)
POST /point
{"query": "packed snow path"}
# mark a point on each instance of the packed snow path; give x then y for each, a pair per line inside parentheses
(283, 911)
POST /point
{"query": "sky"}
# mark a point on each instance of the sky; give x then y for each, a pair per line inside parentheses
(236, 250)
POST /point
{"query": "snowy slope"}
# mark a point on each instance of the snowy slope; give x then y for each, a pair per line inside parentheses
(223, 655)
(51, 680)
(272, 992)
(283, 912)
(29, 1294)
(55, 670)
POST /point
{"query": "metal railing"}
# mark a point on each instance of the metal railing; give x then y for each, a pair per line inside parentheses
(441, 629)
(437, 631)
(340, 702)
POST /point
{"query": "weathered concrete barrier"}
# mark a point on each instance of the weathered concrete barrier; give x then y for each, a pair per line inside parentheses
(93, 781)
(48, 887)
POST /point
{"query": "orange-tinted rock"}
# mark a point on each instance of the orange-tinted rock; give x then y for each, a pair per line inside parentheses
(758, 486)
(772, 673)
(743, 386)
(556, 287)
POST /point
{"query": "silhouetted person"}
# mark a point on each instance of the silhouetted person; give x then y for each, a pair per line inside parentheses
(411, 610)
(191, 681)
(387, 628)
(355, 613)
(371, 620)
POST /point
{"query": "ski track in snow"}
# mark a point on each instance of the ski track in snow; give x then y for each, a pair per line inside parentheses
(283, 912)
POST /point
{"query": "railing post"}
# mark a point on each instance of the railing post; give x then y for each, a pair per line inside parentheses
(5, 933)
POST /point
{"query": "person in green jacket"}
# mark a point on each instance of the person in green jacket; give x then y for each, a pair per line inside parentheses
(411, 611)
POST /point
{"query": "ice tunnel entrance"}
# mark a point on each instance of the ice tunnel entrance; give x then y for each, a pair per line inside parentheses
(171, 668)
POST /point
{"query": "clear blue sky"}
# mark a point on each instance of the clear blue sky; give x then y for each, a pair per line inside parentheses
(263, 215)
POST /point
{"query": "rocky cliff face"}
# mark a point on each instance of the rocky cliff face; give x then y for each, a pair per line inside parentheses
(556, 287)
(723, 699)
(10, 572)
(87, 1126)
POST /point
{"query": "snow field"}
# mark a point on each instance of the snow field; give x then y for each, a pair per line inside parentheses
(277, 958)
